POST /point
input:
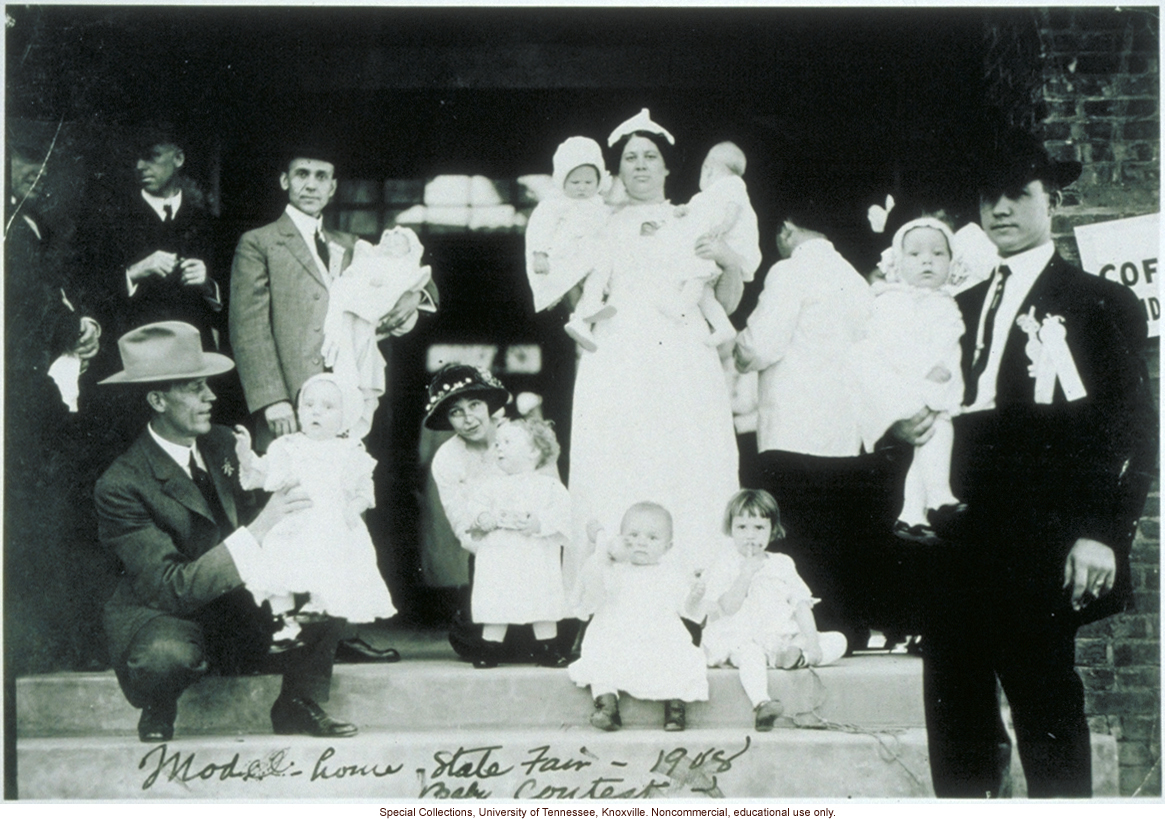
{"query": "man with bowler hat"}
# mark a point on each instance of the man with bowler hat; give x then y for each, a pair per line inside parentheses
(1053, 456)
(172, 510)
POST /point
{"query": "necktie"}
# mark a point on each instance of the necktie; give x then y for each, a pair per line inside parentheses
(205, 485)
(169, 217)
(322, 249)
(983, 351)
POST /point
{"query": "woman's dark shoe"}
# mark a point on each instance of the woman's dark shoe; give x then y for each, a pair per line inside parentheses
(547, 655)
(606, 714)
(303, 716)
(156, 725)
(767, 713)
(675, 718)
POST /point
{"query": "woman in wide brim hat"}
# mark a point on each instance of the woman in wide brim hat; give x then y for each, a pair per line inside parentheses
(455, 381)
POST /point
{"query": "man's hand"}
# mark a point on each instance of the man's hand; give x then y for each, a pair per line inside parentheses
(283, 503)
(1090, 570)
(193, 272)
(917, 429)
(89, 341)
(405, 307)
(280, 418)
(158, 263)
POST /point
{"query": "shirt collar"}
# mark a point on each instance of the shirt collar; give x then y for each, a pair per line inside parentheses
(159, 203)
(1029, 263)
(309, 226)
(179, 452)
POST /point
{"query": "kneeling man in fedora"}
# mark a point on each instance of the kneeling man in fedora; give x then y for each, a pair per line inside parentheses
(172, 510)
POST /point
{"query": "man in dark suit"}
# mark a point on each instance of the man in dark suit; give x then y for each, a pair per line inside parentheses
(279, 294)
(172, 510)
(1053, 457)
(153, 248)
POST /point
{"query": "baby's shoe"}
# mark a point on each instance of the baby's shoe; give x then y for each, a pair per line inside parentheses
(767, 713)
(675, 717)
(287, 637)
(580, 331)
(719, 337)
(946, 519)
(547, 655)
(605, 312)
(606, 714)
(917, 533)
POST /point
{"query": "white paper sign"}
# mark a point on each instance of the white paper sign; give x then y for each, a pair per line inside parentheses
(1125, 251)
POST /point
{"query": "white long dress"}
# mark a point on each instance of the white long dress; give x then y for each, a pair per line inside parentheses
(518, 577)
(652, 413)
(314, 550)
(636, 642)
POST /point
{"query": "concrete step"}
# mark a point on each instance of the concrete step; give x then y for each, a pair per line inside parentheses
(875, 691)
(568, 763)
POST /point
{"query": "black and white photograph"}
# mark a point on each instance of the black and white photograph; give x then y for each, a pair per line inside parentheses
(550, 406)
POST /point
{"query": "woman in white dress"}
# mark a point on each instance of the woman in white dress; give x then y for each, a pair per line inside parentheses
(652, 416)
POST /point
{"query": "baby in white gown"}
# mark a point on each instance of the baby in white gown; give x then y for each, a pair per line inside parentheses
(357, 300)
(637, 642)
(320, 560)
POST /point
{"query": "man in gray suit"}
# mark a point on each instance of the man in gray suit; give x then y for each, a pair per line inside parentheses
(279, 295)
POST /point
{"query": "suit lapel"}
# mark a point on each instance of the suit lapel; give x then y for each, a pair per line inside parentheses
(293, 240)
(173, 479)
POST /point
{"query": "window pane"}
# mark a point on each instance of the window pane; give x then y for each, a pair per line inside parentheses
(403, 192)
(360, 222)
(358, 191)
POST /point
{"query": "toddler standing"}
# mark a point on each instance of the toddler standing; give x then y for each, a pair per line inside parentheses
(759, 610)
(562, 242)
(637, 642)
(911, 359)
(722, 209)
(520, 522)
(323, 552)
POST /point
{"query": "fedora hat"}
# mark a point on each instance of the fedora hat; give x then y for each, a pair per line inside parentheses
(456, 380)
(165, 351)
(1015, 157)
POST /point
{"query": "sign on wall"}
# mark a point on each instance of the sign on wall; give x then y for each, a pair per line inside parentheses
(1125, 251)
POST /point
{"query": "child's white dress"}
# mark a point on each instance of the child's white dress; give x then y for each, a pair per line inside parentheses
(636, 642)
(911, 330)
(314, 550)
(767, 615)
(517, 577)
(367, 290)
(567, 230)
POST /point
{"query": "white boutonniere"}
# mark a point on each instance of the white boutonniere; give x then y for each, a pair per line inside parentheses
(227, 469)
(1051, 360)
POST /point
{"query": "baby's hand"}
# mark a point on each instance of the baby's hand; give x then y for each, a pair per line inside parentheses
(242, 443)
(541, 263)
(531, 526)
(938, 374)
(681, 211)
(594, 529)
(484, 523)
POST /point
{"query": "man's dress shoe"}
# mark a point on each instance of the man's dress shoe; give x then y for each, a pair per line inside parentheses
(156, 725)
(303, 716)
(357, 650)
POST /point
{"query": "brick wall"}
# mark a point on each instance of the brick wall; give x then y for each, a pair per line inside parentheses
(1095, 85)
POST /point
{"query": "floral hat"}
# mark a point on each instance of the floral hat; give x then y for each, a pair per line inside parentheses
(456, 380)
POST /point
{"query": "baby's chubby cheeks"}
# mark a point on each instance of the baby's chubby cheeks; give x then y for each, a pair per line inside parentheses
(646, 532)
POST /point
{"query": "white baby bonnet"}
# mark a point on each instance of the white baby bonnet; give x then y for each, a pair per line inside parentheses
(574, 152)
